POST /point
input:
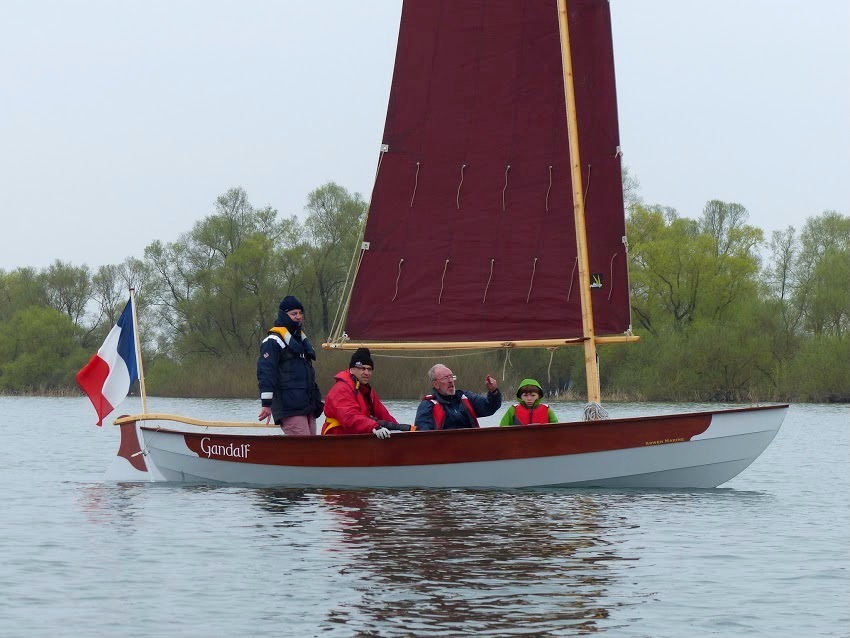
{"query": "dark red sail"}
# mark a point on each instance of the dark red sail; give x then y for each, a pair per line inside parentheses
(471, 231)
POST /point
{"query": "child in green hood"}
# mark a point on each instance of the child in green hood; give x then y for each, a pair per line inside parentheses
(529, 410)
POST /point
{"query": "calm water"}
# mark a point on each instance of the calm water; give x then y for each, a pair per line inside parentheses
(766, 555)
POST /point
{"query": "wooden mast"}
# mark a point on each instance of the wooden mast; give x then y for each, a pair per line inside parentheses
(590, 362)
(141, 371)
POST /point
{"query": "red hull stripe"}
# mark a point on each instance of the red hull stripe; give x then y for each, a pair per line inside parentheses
(450, 446)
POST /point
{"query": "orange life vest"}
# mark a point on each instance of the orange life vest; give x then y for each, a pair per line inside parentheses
(440, 411)
(524, 416)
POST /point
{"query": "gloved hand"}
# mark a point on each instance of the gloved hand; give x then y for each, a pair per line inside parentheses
(381, 433)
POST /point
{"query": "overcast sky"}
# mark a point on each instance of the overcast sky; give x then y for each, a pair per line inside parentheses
(121, 122)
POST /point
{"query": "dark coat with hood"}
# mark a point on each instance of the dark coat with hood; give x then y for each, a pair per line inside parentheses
(285, 374)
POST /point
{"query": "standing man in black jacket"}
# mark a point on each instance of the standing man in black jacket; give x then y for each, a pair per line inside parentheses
(285, 375)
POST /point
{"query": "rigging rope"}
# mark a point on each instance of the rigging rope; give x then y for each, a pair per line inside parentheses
(431, 356)
(505, 187)
(506, 361)
(487, 287)
(400, 262)
(572, 278)
(459, 185)
(415, 184)
(549, 189)
(594, 412)
(531, 283)
(549, 369)
(611, 283)
(345, 298)
(384, 149)
(337, 334)
(442, 282)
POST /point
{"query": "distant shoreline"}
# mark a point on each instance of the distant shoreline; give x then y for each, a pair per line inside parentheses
(568, 397)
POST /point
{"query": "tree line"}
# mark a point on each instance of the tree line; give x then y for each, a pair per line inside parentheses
(723, 312)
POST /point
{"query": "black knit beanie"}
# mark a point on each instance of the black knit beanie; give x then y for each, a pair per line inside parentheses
(361, 357)
(290, 303)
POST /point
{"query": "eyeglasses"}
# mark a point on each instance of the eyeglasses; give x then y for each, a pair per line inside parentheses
(369, 368)
(448, 377)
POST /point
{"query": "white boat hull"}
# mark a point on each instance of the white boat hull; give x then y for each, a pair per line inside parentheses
(698, 450)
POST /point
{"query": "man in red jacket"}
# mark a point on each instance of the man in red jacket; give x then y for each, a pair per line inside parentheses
(352, 406)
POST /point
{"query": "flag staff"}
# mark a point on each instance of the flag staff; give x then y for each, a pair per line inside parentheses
(139, 354)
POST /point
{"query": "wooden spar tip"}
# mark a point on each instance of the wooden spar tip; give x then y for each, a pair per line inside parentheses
(471, 345)
(159, 416)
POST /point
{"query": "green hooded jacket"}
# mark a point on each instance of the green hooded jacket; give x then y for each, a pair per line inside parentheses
(510, 416)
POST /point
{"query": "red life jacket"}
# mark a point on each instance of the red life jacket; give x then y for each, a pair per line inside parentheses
(524, 416)
(440, 411)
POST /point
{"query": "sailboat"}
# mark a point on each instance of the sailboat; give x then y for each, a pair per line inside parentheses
(497, 213)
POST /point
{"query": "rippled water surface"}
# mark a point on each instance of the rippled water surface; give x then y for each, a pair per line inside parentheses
(765, 555)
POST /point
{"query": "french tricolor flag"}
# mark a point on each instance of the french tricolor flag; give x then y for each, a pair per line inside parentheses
(107, 378)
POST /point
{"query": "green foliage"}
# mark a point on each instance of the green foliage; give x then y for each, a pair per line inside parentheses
(218, 286)
(68, 288)
(39, 350)
(20, 289)
(820, 371)
(334, 227)
(715, 324)
(682, 270)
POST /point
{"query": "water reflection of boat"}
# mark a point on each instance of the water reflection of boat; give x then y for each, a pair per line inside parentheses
(502, 115)
(470, 560)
